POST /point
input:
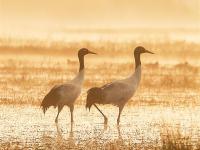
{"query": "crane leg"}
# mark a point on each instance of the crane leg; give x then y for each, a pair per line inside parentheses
(105, 118)
(120, 110)
(71, 111)
(59, 110)
(119, 132)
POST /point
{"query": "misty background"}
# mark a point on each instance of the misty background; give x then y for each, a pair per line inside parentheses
(46, 17)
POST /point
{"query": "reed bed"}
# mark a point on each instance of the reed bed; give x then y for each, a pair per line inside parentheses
(170, 78)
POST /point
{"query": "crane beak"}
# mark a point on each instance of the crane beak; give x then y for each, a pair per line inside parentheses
(146, 51)
(90, 52)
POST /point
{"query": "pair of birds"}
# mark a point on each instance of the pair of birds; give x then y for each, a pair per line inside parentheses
(116, 93)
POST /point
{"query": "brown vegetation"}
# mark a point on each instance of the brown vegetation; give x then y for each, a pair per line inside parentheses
(29, 71)
(171, 77)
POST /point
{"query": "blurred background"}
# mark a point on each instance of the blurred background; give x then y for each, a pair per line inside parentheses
(100, 19)
(39, 40)
(43, 36)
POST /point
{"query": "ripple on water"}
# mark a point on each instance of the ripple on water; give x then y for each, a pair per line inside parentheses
(139, 124)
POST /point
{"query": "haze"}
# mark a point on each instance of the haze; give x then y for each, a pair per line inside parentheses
(48, 15)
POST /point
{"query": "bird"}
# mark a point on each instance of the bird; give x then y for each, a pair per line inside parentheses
(117, 92)
(67, 93)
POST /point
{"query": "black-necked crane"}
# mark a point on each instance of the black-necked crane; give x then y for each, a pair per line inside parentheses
(67, 93)
(117, 92)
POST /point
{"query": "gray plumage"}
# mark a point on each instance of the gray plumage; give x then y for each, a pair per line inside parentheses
(118, 92)
(67, 93)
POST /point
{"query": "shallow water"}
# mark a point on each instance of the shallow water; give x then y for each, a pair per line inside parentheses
(139, 124)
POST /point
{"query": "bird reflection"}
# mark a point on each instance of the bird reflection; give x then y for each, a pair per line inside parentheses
(59, 132)
(70, 140)
(119, 132)
(71, 136)
(120, 139)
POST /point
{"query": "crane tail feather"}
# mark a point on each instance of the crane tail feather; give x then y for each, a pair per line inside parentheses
(94, 95)
(44, 108)
(48, 101)
(45, 105)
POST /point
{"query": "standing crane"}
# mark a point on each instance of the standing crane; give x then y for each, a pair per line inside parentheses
(67, 93)
(117, 92)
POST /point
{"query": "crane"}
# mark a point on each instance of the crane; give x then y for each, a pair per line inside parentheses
(118, 92)
(67, 93)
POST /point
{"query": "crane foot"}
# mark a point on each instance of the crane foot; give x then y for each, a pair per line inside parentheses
(105, 120)
(118, 121)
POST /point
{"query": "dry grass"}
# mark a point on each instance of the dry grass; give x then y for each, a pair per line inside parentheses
(29, 71)
(169, 139)
(174, 139)
(171, 77)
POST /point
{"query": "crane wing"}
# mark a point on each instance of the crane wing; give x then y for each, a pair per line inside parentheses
(117, 93)
(65, 93)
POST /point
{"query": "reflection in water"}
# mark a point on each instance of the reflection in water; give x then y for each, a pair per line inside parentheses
(120, 139)
(71, 135)
(70, 140)
(59, 132)
(139, 123)
(119, 132)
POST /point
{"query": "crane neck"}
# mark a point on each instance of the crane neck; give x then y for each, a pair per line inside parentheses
(78, 80)
(81, 62)
(137, 60)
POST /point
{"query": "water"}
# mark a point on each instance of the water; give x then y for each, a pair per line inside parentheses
(139, 124)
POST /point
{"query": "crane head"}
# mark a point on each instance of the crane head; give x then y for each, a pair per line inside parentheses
(84, 51)
(139, 50)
